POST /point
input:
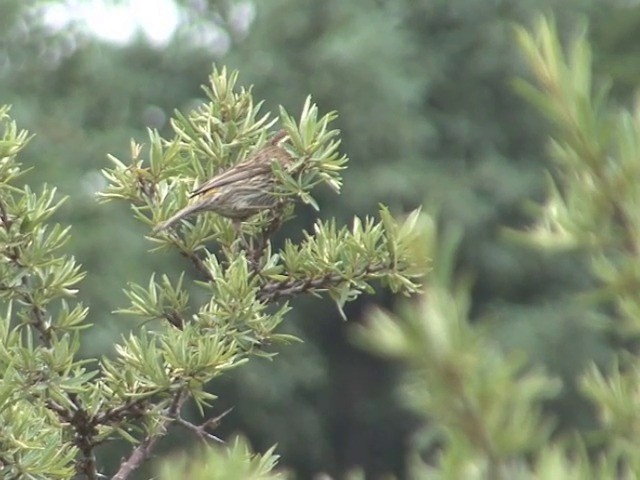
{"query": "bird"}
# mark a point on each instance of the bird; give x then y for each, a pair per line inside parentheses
(241, 191)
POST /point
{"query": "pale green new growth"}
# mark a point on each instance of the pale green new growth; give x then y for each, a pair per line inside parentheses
(237, 463)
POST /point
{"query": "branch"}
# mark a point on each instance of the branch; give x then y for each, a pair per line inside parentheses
(132, 409)
(198, 263)
(85, 427)
(36, 312)
(143, 451)
(274, 290)
(4, 217)
(175, 319)
(85, 431)
(87, 464)
(201, 430)
(276, 219)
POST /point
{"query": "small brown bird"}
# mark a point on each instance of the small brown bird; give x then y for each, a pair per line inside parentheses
(241, 191)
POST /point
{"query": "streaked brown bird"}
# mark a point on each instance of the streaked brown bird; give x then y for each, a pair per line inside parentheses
(242, 191)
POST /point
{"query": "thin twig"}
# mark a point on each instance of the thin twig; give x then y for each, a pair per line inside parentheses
(198, 263)
(260, 242)
(38, 319)
(62, 412)
(175, 319)
(37, 313)
(199, 430)
(131, 409)
(4, 217)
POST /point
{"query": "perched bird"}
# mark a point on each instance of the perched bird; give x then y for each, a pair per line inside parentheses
(242, 191)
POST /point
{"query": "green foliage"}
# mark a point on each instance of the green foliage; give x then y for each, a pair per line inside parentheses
(57, 411)
(425, 111)
(234, 463)
(427, 116)
(485, 406)
(39, 328)
(595, 151)
(219, 134)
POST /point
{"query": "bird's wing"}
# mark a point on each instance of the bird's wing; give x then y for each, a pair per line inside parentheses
(234, 174)
(254, 165)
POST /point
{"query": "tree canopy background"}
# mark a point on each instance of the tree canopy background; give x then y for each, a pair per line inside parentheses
(428, 117)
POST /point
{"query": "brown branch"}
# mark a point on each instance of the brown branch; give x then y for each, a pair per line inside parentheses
(198, 263)
(85, 431)
(143, 451)
(55, 407)
(4, 217)
(274, 290)
(175, 319)
(37, 313)
(131, 409)
(139, 455)
(87, 464)
(85, 427)
(201, 430)
(255, 250)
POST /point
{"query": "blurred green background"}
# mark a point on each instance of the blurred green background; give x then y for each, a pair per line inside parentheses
(428, 117)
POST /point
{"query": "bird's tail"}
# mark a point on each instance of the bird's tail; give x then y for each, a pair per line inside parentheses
(179, 215)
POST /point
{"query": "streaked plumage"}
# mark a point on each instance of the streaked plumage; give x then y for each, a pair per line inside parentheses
(241, 191)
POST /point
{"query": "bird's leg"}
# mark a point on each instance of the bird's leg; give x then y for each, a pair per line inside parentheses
(237, 228)
(275, 219)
